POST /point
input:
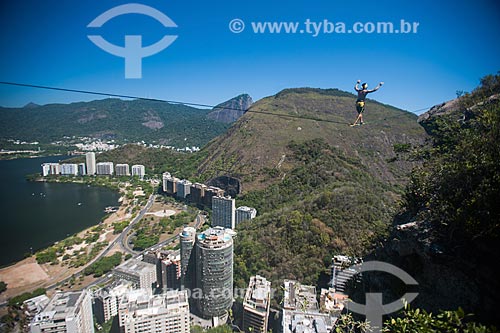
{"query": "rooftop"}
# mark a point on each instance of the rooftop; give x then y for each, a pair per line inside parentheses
(216, 237)
(258, 293)
(299, 297)
(141, 302)
(61, 306)
(135, 267)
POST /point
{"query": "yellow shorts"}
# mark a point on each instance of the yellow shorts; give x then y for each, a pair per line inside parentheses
(360, 106)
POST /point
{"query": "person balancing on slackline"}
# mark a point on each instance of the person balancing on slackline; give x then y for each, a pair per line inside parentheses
(360, 102)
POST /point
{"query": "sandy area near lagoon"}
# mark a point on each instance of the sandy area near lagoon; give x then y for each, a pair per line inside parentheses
(27, 274)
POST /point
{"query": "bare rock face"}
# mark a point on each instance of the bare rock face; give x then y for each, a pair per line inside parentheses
(152, 121)
(453, 108)
(230, 111)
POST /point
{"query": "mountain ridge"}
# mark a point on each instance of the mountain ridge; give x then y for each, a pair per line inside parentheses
(258, 141)
(124, 120)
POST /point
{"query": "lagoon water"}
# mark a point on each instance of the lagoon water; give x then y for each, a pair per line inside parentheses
(34, 215)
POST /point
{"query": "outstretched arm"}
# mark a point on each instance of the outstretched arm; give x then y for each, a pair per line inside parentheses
(376, 88)
(356, 86)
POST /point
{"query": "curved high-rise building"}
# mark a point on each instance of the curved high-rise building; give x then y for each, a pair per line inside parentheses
(187, 238)
(214, 272)
(90, 162)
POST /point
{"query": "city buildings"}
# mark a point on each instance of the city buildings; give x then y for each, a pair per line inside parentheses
(244, 213)
(122, 170)
(331, 301)
(138, 170)
(35, 305)
(45, 169)
(69, 312)
(187, 240)
(183, 188)
(214, 272)
(69, 169)
(82, 170)
(342, 272)
(211, 192)
(50, 169)
(90, 162)
(171, 271)
(256, 305)
(107, 300)
(223, 212)
(91, 168)
(168, 267)
(170, 183)
(301, 311)
(141, 312)
(141, 274)
(104, 168)
(198, 192)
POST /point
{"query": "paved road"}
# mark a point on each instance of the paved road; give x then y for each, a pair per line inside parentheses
(200, 219)
(123, 238)
(123, 242)
(119, 239)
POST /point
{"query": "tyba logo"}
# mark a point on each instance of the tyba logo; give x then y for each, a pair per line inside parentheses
(133, 52)
(374, 309)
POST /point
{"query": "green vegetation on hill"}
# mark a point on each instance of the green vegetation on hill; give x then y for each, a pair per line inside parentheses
(453, 242)
(133, 120)
(320, 187)
(418, 320)
(327, 204)
(458, 187)
(258, 143)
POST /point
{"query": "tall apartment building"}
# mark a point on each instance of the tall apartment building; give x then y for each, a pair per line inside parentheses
(141, 274)
(122, 170)
(214, 272)
(256, 305)
(107, 300)
(90, 162)
(104, 168)
(171, 271)
(138, 170)
(198, 193)
(141, 312)
(82, 170)
(183, 188)
(170, 184)
(187, 240)
(69, 169)
(51, 169)
(211, 192)
(69, 312)
(45, 169)
(244, 213)
(223, 212)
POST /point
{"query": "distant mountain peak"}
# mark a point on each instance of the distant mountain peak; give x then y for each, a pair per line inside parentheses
(231, 110)
(31, 105)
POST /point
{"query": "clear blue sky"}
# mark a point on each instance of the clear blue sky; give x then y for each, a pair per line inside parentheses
(45, 42)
